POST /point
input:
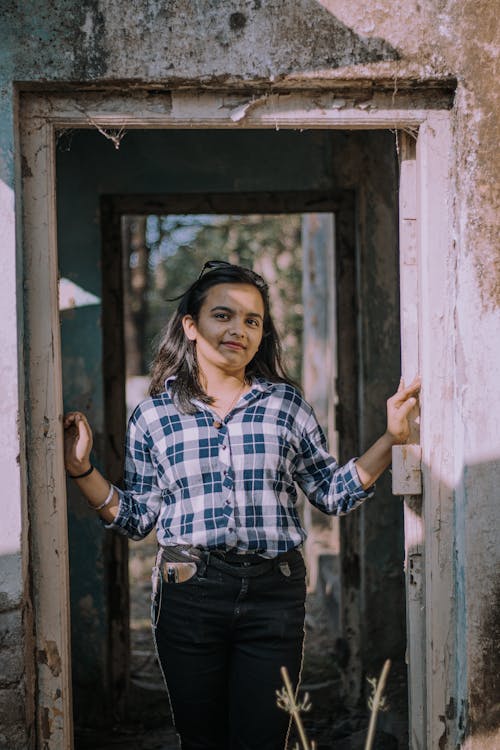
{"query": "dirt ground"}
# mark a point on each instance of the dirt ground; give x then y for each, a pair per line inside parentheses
(149, 725)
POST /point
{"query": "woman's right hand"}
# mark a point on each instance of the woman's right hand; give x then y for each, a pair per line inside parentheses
(77, 442)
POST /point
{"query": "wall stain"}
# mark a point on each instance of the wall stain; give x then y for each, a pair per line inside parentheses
(237, 21)
(25, 167)
(46, 723)
(443, 740)
(451, 709)
(90, 53)
(484, 708)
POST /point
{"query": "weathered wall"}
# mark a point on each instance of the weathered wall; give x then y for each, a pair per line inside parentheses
(285, 42)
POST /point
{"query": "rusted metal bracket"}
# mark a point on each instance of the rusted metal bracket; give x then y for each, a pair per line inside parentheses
(406, 470)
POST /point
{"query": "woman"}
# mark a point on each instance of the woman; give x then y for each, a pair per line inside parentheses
(213, 460)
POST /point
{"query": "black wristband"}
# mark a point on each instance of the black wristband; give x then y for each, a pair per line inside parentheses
(80, 476)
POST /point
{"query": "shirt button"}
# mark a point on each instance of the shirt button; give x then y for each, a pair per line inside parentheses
(224, 472)
(231, 530)
(217, 424)
(224, 447)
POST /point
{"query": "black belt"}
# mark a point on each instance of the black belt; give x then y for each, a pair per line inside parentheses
(239, 566)
(246, 567)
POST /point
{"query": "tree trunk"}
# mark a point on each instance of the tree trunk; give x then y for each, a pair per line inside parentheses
(135, 259)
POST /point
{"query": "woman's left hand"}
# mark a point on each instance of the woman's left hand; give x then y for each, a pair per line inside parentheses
(398, 408)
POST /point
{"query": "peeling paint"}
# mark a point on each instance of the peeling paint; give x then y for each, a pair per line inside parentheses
(49, 655)
(242, 110)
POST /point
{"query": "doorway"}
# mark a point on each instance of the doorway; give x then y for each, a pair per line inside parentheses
(51, 620)
(161, 256)
(313, 173)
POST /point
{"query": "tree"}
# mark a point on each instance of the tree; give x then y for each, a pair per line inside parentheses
(136, 279)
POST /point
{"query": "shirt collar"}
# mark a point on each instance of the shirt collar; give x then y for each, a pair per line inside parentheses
(258, 384)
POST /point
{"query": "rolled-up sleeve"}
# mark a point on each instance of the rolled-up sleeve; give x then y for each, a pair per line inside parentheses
(140, 501)
(331, 488)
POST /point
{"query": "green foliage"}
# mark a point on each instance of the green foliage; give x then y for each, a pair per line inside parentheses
(269, 244)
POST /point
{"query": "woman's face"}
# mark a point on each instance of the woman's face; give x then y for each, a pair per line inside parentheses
(229, 328)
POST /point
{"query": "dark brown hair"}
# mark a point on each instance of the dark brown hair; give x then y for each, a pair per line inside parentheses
(176, 354)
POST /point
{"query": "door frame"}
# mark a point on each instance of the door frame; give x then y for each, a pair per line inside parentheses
(112, 208)
(426, 252)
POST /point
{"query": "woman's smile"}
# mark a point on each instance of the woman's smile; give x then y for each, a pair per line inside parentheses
(234, 345)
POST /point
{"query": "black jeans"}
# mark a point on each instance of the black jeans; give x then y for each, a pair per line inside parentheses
(221, 641)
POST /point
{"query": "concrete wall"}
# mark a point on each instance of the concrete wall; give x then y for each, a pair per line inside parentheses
(286, 43)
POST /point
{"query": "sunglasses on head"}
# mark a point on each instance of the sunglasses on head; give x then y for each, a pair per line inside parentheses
(212, 265)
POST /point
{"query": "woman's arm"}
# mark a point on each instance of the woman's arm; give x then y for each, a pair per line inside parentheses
(378, 457)
(77, 448)
(338, 490)
(133, 511)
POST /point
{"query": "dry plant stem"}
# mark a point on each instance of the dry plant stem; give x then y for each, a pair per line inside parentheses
(376, 703)
(294, 710)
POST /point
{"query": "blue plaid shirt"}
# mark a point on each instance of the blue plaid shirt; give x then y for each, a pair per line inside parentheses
(232, 487)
